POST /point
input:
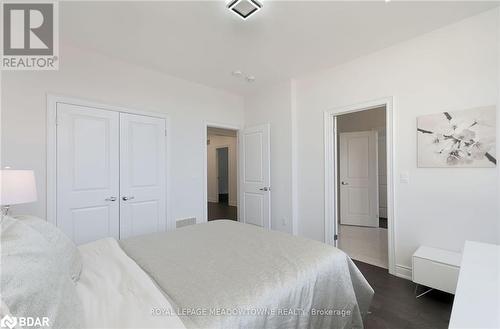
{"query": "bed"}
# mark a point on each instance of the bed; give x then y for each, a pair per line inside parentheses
(221, 274)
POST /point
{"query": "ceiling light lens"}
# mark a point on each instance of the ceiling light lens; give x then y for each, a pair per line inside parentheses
(244, 8)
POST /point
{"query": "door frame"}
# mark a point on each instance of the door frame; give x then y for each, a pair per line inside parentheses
(52, 101)
(331, 171)
(237, 128)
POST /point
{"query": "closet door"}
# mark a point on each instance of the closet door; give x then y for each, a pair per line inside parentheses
(142, 175)
(87, 172)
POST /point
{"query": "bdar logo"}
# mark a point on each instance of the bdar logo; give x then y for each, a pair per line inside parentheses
(8, 322)
(24, 321)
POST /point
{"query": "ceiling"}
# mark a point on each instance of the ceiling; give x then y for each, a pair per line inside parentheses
(204, 42)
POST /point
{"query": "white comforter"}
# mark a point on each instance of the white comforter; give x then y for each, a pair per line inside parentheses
(116, 293)
(225, 274)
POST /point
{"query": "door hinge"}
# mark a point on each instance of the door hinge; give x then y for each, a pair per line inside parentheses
(165, 132)
(335, 237)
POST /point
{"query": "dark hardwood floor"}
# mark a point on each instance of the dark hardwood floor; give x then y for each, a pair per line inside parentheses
(221, 211)
(394, 305)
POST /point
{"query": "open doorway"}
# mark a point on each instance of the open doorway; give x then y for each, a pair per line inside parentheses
(222, 174)
(362, 185)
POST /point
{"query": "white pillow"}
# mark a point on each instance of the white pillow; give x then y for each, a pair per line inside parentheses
(35, 280)
(63, 246)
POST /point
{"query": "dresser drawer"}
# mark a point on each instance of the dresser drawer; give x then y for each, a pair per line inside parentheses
(435, 275)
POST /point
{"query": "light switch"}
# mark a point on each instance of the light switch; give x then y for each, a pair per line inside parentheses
(404, 177)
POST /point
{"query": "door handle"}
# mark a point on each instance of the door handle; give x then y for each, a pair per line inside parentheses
(344, 183)
(265, 189)
(126, 198)
(113, 198)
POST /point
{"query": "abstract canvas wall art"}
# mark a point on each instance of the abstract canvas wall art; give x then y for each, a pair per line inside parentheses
(457, 139)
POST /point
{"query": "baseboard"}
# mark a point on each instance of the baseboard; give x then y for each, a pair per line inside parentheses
(404, 272)
(215, 200)
(233, 203)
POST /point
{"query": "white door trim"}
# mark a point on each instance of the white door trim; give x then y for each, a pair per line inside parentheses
(331, 183)
(52, 101)
(237, 128)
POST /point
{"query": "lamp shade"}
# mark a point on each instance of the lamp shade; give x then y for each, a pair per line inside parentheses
(17, 186)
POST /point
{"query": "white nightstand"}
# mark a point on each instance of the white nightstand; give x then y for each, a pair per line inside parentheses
(436, 268)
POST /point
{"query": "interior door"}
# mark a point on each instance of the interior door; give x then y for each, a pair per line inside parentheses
(359, 178)
(222, 171)
(142, 175)
(87, 173)
(256, 176)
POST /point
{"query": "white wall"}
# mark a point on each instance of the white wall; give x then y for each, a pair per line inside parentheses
(88, 75)
(231, 143)
(452, 68)
(273, 105)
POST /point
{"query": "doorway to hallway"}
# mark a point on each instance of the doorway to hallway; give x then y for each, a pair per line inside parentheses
(222, 178)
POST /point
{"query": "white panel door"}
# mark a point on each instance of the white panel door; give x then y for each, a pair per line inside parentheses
(256, 176)
(142, 175)
(359, 178)
(87, 173)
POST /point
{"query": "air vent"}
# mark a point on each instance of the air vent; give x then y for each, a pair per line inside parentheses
(185, 222)
(244, 8)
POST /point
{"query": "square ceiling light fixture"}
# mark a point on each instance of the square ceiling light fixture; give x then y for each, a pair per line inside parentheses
(244, 8)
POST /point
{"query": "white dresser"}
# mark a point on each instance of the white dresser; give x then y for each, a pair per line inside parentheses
(436, 268)
(477, 301)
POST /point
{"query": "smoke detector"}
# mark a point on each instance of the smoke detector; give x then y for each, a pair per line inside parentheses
(244, 8)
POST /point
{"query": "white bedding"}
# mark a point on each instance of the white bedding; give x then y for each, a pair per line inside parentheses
(117, 293)
(230, 275)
